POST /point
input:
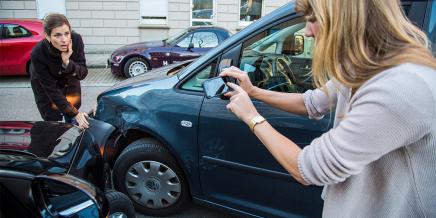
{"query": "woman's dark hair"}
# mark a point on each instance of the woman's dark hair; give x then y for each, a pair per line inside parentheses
(54, 20)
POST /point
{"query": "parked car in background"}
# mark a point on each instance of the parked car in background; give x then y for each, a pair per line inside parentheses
(45, 148)
(138, 58)
(173, 144)
(17, 38)
(15, 135)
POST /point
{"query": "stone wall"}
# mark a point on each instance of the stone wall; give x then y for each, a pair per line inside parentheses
(105, 24)
(17, 9)
(108, 24)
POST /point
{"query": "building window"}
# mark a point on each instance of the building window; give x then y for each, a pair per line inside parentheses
(251, 10)
(202, 12)
(154, 11)
(44, 7)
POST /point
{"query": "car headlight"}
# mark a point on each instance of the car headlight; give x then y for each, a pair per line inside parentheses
(118, 58)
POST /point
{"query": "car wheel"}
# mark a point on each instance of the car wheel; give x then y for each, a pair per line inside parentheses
(135, 66)
(147, 173)
(120, 205)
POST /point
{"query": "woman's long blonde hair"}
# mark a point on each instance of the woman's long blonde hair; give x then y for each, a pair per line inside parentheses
(357, 39)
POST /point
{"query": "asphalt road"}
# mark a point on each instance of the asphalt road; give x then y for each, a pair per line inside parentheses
(17, 103)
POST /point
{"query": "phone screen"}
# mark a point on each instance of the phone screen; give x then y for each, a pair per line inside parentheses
(214, 87)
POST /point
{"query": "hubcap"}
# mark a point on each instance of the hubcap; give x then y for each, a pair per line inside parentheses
(137, 67)
(118, 215)
(153, 184)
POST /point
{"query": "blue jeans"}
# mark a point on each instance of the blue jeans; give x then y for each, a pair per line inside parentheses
(70, 120)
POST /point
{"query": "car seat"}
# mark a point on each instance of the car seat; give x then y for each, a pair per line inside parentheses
(17, 31)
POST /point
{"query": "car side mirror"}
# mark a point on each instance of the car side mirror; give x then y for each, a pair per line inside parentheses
(298, 45)
(191, 46)
(67, 196)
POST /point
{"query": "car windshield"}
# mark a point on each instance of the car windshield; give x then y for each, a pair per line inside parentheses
(173, 39)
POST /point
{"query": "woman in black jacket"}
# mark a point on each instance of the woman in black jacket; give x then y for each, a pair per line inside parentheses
(57, 66)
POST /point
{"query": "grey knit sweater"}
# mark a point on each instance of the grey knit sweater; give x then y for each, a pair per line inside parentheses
(379, 159)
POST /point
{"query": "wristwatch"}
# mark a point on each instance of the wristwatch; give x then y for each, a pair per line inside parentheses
(254, 121)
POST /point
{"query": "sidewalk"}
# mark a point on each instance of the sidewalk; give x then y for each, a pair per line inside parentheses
(96, 60)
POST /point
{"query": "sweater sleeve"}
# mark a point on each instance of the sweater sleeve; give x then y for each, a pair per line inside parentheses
(318, 103)
(383, 117)
(77, 66)
(48, 83)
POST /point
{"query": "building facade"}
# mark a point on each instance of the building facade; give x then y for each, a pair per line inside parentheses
(108, 24)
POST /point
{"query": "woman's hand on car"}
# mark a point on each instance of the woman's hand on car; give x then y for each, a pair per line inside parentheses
(82, 120)
(242, 77)
(240, 103)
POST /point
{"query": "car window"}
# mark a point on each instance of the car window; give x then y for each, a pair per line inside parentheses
(176, 37)
(194, 83)
(185, 42)
(15, 31)
(205, 40)
(279, 58)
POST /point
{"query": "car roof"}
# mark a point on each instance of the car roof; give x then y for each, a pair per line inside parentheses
(207, 27)
(20, 21)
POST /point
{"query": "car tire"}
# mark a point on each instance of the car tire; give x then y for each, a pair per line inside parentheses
(119, 205)
(149, 175)
(135, 66)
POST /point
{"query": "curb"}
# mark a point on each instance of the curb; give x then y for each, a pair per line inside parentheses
(96, 65)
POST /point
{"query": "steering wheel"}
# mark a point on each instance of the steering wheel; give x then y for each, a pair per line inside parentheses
(284, 62)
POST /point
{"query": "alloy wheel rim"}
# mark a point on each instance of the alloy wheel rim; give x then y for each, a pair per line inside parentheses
(137, 67)
(153, 184)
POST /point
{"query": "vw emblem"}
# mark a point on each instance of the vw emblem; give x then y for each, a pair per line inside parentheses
(152, 185)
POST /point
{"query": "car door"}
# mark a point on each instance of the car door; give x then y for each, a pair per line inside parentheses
(1, 48)
(236, 170)
(193, 45)
(15, 41)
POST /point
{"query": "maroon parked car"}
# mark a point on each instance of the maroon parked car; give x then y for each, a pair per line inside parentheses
(17, 38)
(134, 59)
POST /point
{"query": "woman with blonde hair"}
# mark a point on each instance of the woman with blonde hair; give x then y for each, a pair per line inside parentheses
(375, 69)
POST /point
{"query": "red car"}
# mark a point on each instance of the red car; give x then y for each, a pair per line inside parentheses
(15, 135)
(17, 38)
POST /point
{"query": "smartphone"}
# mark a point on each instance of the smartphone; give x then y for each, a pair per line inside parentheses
(215, 86)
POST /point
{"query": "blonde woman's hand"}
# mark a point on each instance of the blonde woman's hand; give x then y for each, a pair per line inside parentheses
(67, 54)
(82, 120)
(240, 103)
(242, 77)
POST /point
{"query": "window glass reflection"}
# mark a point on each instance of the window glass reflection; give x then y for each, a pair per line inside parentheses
(251, 10)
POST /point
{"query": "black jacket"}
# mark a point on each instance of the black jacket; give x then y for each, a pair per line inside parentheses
(52, 84)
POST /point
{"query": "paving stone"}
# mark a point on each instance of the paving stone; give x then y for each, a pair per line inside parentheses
(97, 77)
(101, 77)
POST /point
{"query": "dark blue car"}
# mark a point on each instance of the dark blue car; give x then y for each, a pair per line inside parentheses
(134, 59)
(172, 144)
